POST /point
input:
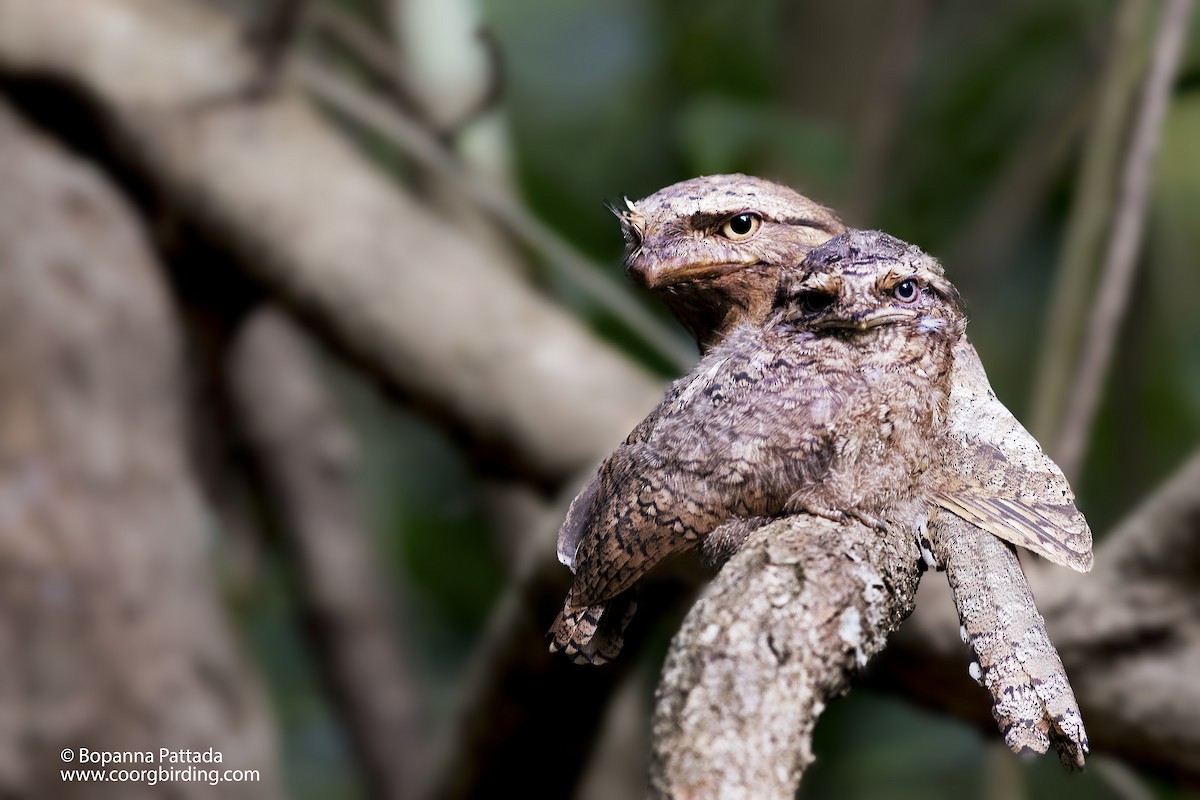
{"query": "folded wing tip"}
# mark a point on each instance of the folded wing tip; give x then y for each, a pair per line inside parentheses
(1058, 533)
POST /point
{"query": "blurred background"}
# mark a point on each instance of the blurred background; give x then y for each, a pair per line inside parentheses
(313, 321)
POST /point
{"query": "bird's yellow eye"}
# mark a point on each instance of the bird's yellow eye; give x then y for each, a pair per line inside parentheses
(742, 226)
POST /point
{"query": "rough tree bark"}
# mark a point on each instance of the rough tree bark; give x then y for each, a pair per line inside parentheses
(111, 633)
(790, 619)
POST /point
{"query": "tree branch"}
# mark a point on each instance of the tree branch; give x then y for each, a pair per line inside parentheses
(112, 633)
(1120, 260)
(414, 141)
(391, 284)
(1090, 217)
(792, 617)
(305, 458)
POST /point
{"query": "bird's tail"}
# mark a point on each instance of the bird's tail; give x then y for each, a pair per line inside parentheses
(593, 634)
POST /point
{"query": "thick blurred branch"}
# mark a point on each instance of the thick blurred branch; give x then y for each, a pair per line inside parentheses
(414, 141)
(305, 457)
(781, 631)
(1120, 258)
(112, 633)
(363, 262)
(1129, 632)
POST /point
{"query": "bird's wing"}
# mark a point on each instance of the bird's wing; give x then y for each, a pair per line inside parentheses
(580, 512)
(575, 525)
(642, 513)
(1058, 532)
(998, 477)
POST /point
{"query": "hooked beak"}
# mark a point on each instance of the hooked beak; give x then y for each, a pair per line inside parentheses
(866, 320)
(653, 273)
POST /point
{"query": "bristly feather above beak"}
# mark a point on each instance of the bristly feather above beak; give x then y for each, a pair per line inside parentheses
(633, 223)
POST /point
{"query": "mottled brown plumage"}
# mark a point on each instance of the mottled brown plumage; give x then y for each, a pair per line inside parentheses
(686, 243)
(830, 407)
(681, 243)
(993, 473)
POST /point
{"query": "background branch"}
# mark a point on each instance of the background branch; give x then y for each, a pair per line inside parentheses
(372, 52)
(1090, 217)
(1120, 259)
(305, 457)
(360, 260)
(112, 632)
(414, 141)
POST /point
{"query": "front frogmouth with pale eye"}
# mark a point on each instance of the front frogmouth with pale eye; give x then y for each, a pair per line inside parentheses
(830, 406)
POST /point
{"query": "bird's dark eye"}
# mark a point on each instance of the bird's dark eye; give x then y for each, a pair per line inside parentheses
(741, 226)
(907, 291)
(814, 302)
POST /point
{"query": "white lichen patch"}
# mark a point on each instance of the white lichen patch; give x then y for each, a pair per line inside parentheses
(873, 587)
(850, 631)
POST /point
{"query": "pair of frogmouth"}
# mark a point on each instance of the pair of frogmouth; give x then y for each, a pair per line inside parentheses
(827, 386)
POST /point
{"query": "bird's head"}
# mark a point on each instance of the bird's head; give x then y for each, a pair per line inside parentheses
(711, 246)
(866, 281)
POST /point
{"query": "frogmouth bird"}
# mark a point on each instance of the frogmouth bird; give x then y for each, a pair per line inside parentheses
(830, 406)
(711, 248)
